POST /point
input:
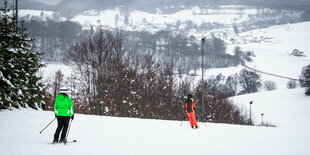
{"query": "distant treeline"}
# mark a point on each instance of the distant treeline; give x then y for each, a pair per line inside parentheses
(54, 39)
(68, 8)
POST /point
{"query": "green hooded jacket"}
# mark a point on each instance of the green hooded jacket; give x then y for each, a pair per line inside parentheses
(63, 106)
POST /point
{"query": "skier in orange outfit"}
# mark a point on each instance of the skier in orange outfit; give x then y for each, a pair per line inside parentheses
(190, 110)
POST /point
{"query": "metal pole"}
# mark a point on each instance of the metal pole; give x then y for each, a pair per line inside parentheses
(262, 119)
(16, 7)
(48, 125)
(251, 112)
(202, 85)
(68, 131)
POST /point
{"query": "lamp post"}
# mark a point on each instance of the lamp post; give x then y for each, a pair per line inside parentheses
(202, 96)
(251, 112)
(16, 13)
(16, 7)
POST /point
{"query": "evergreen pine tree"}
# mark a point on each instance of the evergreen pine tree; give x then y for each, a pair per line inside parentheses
(19, 63)
(305, 79)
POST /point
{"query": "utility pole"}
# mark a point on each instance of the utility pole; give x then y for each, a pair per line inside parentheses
(262, 119)
(16, 10)
(251, 112)
(202, 79)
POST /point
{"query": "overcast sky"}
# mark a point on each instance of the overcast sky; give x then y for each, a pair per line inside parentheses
(51, 2)
(54, 2)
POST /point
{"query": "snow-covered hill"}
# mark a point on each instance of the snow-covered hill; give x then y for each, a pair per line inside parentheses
(128, 136)
(274, 55)
(284, 108)
(139, 20)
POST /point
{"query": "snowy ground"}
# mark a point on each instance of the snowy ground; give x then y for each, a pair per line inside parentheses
(274, 56)
(51, 68)
(287, 109)
(128, 136)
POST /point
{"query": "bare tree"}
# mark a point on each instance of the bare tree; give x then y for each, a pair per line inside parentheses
(52, 87)
(98, 60)
(58, 81)
(231, 85)
(249, 81)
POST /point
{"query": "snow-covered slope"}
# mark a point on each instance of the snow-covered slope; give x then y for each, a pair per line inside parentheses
(36, 13)
(128, 136)
(285, 108)
(139, 20)
(273, 55)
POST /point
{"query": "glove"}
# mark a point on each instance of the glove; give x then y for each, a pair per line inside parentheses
(72, 117)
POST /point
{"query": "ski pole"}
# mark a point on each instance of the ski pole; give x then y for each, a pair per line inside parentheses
(68, 130)
(48, 125)
(181, 123)
(204, 124)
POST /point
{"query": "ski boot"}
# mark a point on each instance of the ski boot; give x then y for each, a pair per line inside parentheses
(63, 141)
(55, 141)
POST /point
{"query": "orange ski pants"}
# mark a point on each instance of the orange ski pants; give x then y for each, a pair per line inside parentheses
(192, 119)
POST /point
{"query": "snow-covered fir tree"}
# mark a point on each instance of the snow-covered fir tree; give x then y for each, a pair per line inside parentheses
(19, 63)
(305, 78)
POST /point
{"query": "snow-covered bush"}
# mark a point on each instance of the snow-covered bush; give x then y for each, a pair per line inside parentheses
(270, 85)
(291, 84)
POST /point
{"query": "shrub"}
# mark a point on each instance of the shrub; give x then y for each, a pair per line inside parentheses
(291, 84)
(270, 85)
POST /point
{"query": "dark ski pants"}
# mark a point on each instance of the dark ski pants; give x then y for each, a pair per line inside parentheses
(63, 123)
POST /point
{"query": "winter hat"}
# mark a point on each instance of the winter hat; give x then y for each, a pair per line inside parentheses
(189, 96)
(64, 90)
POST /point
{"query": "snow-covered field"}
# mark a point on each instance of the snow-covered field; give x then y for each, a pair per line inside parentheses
(36, 13)
(274, 56)
(285, 108)
(128, 136)
(51, 69)
(141, 20)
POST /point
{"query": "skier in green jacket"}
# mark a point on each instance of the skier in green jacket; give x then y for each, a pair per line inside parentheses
(63, 112)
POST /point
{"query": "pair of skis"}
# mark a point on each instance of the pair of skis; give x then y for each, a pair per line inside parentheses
(72, 141)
